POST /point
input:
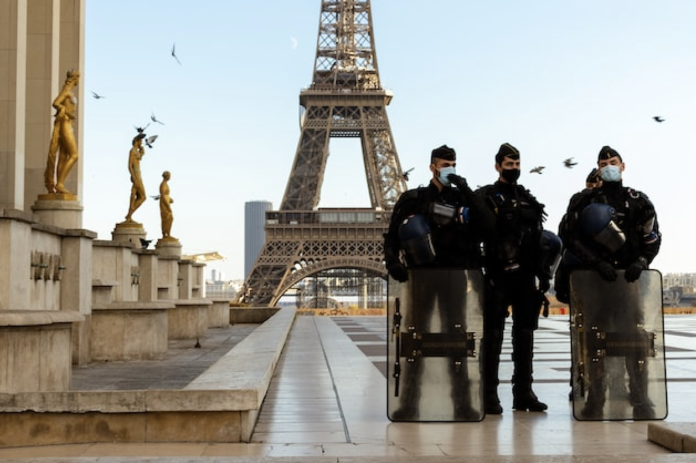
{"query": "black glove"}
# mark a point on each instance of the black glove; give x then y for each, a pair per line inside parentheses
(606, 271)
(397, 271)
(459, 182)
(544, 284)
(633, 271)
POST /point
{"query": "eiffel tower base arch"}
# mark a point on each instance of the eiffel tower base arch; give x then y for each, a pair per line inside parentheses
(300, 245)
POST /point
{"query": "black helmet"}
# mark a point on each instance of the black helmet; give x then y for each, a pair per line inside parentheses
(551, 248)
(414, 235)
(597, 221)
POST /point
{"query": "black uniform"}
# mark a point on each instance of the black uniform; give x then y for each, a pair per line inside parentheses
(457, 219)
(635, 216)
(513, 258)
(456, 229)
(561, 280)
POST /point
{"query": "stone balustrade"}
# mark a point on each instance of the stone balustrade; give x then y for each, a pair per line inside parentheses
(221, 405)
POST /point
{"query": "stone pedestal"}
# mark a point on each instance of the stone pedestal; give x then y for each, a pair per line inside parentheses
(123, 331)
(36, 350)
(59, 210)
(168, 247)
(129, 231)
(219, 313)
(188, 319)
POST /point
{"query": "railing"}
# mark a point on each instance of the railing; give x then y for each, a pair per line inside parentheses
(328, 217)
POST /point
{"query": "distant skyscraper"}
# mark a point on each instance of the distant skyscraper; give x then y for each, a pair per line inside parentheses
(216, 275)
(254, 235)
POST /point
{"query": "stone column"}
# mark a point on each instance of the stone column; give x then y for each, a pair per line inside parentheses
(55, 44)
(168, 278)
(147, 289)
(76, 287)
(15, 260)
(13, 45)
(185, 279)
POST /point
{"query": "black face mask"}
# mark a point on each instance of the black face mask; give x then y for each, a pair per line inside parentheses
(510, 175)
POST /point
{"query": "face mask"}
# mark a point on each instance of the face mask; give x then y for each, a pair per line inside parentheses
(444, 172)
(510, 175)
(610, 173)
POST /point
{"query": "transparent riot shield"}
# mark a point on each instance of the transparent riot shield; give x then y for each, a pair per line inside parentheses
(435, 325)
(617, 345)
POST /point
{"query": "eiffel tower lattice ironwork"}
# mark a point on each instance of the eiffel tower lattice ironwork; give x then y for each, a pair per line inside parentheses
(345, 99)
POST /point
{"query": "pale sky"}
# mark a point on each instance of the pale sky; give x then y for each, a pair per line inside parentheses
(557, 79)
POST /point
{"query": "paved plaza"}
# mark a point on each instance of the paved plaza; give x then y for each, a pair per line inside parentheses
(327, 403)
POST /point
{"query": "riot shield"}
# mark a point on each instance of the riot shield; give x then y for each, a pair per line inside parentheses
(435, 325)
(617, 346)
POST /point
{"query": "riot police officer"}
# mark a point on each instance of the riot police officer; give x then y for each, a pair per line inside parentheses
(436, 226)
(608, 228)
(561, 285)
(513, 262)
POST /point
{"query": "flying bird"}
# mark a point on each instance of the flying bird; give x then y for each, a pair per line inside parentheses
(569, 163)
(97, 96)
(658, 118)
(141, 129)
(537, 170)
(145, 243)
(405, 174)
(154, 119)
(174, 54)
(150, 140)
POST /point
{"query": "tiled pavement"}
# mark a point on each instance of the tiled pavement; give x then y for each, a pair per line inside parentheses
(327, 403)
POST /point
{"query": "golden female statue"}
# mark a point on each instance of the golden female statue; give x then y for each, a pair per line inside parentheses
(137, 197)
(166, 206)
(58, 166)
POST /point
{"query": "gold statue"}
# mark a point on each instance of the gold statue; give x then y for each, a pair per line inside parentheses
(63, 137)
(137, 196)
(166, 206)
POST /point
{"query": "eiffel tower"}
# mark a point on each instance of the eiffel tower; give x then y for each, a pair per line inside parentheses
(345, 99)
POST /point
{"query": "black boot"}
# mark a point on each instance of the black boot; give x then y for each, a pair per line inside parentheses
(523, 398)
(492, 346)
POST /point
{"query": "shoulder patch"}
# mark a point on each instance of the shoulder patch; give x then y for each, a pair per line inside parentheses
(635, 194)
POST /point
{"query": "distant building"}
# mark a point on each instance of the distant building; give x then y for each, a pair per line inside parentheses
(679, 289)
(217, 275)
(254, 234)
(221, 289)
(686, 281)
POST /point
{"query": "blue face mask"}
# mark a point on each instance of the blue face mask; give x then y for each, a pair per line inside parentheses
(611, 173)
(444, 172)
